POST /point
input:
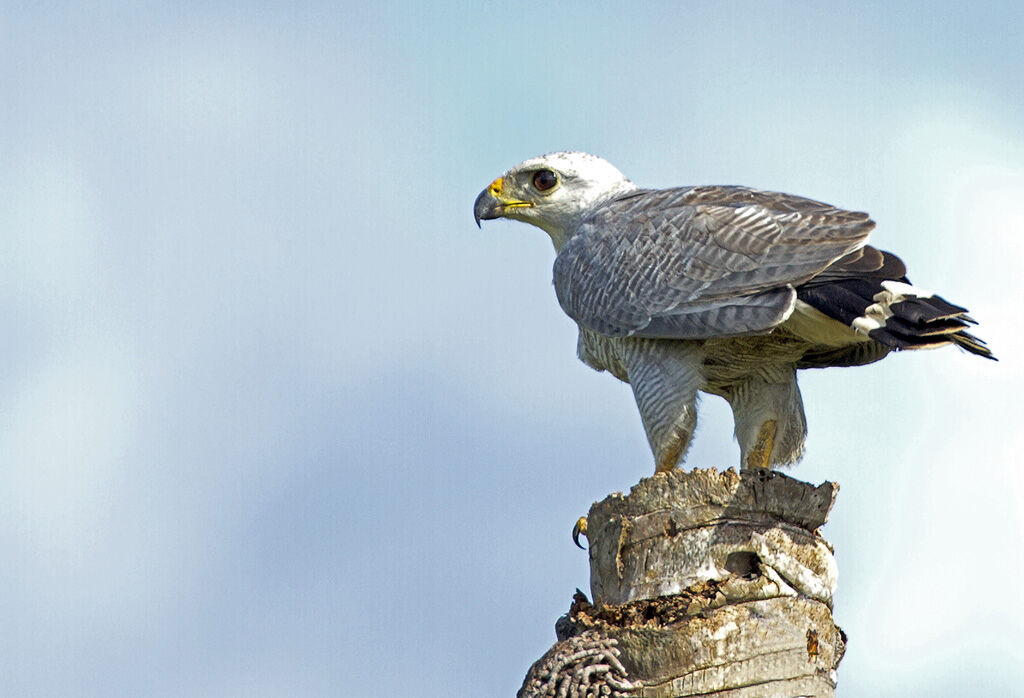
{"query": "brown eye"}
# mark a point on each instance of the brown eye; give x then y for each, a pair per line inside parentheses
(544, 180)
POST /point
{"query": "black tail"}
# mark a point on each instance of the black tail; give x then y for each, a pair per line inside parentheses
(923, 322)
(860, 291)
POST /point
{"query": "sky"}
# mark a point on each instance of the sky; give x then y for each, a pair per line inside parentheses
(277, 419)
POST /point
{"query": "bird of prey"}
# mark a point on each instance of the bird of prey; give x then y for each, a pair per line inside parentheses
(725, 290)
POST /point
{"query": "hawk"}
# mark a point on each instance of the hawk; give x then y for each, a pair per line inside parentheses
(725, 290)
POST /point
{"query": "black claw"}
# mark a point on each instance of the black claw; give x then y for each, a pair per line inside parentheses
(578, 529)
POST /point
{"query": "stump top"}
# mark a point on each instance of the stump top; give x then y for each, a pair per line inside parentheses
(748, 493)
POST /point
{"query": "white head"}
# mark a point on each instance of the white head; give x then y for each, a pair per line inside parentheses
(553, 192)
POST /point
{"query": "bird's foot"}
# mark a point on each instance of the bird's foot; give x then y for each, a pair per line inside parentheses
(760, 456)
(579, 529)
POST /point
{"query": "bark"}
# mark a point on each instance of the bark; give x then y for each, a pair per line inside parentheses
(704, 583)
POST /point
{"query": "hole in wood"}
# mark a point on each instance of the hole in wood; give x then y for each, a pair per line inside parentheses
(743, 564)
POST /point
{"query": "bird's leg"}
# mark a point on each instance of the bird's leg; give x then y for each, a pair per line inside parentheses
(770, 423)
(671, 453)
(760, 455)
(665, 376)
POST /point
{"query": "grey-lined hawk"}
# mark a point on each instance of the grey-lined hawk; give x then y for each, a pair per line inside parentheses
(721, 289)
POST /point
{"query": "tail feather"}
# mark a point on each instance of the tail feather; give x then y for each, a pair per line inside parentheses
(915, 319)
(858, 292)
(901, 341)
(924, 329)
(968, 342)
(926, 310)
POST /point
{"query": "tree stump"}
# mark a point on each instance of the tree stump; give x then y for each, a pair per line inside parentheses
(704, 583)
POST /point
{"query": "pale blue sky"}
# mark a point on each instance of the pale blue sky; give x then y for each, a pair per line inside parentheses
(276, 419)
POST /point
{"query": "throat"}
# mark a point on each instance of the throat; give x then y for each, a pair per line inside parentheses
(559, 236)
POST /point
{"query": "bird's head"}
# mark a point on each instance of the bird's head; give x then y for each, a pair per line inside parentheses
(553, 192)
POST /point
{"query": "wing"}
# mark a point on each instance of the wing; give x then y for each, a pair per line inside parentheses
(699, 262)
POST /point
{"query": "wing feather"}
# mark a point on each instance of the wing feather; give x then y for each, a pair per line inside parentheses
(699, 261)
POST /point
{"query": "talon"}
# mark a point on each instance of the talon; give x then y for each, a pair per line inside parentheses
(578, 529)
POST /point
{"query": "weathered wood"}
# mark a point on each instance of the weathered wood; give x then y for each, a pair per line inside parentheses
(705, 583)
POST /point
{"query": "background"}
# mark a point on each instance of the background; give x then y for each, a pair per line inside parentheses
(276, 419)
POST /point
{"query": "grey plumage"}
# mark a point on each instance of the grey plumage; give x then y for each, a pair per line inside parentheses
(721, 289)
(699, 261)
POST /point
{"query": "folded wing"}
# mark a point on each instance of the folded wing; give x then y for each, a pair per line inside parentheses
(699, 262)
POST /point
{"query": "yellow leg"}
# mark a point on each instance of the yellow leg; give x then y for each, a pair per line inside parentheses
(760, 455)
(673, 453)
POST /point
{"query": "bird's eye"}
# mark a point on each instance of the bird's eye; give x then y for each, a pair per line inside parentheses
(544, 180)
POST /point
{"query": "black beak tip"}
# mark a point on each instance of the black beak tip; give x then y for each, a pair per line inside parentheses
(486, 207)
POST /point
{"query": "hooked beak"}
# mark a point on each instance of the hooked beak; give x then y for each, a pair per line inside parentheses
(491, 204)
